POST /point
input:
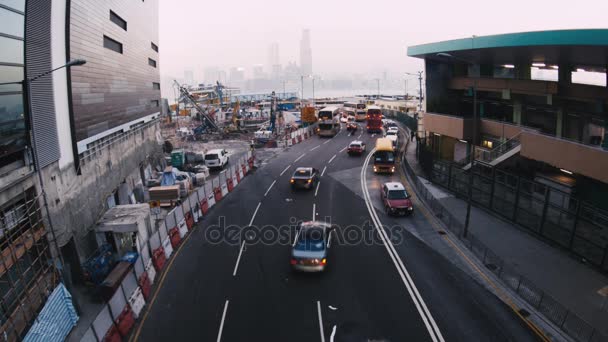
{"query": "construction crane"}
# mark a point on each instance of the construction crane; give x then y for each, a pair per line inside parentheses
(206, 117)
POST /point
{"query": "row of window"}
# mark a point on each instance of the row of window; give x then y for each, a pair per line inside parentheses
(13, 138)
(113, 45)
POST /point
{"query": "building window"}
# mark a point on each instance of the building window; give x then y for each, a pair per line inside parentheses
(111, 44)
(151, 62)
(12, 116)
(156, 86)
(116, 19)
(154, 103)
(154, 47)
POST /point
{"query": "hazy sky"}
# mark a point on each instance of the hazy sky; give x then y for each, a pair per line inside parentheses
(347, 36)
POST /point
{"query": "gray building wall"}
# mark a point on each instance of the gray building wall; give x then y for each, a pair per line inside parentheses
(76, 202)
(112, 88)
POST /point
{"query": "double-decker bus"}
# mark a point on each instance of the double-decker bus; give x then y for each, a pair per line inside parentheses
(329, 122)
(359, 108)
(374, 119)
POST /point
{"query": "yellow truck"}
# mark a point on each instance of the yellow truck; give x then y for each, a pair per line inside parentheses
(384, 156)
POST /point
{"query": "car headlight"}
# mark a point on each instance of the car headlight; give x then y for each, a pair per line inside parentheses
(410, 208)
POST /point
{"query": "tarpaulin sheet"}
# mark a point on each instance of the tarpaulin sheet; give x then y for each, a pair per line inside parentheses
(56, 319)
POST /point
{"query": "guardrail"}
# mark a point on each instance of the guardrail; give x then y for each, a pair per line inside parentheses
(568, 321)
(118, 316)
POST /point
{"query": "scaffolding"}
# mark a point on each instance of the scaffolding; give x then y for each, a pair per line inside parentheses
(27, 273)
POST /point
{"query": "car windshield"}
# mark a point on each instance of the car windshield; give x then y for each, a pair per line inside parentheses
(311, 239)
(397, 194)
(210, 156)
(301, 174)
(384, 156)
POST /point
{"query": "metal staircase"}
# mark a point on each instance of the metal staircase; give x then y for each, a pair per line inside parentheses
(497, 155)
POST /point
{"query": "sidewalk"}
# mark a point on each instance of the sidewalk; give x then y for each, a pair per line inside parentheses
(566, 279)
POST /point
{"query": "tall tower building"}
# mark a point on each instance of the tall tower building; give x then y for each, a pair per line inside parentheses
(305, 53)
(274, 66)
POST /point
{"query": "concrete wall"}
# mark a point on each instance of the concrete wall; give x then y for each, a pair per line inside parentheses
(78, 201)
(452, 126)
(586, 160)
(499, 129)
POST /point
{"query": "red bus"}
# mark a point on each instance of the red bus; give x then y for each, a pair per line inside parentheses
(374, 119)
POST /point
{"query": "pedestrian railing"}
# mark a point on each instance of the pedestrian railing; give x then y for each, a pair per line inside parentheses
(568, 321)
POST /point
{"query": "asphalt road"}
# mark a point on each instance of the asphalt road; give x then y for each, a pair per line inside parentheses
(237, 290)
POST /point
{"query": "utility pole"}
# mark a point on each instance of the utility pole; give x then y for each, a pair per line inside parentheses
(378, 85)
(313, 91)
(284, 90)
(419, 74)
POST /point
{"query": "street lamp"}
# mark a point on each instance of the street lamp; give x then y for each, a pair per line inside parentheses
(471, 146)
(26, 83)
(419, 75)
(378, 87)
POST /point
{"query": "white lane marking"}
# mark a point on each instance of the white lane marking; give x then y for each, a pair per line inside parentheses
(317, 189)
(423, 310)
(287, 168)
(342, 150)
(270, 187)
(254, 213)
(219, 334)
(332, 308)
(296, 239)
(300, 157)
(327, 141)
(314, 207)
(314, 148)
(322, 173)
(238, 259)
(360, 136)
(333, 334)
(320, 321)
(332, 158)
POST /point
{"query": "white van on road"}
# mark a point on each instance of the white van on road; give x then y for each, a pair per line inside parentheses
(216, 159)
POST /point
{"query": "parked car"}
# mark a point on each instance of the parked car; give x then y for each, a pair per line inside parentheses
(395, 199)
(216, 159)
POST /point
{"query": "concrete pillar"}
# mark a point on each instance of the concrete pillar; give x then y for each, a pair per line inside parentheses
(559, 122)
(517, 112)
(522, 71)
(565, 74)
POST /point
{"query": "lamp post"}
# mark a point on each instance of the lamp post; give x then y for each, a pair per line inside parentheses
(419, 75)
(26, 83)
(471, 146)
(378, 88)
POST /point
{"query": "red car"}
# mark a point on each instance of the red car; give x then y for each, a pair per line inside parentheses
(356, 147)
(395, 199)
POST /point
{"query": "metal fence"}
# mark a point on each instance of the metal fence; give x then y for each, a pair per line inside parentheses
(118, 315)
(569, 322)
(577, 226)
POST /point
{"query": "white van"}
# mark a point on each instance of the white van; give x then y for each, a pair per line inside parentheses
(216, 158)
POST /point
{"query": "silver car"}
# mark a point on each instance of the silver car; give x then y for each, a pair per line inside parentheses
(311, 246)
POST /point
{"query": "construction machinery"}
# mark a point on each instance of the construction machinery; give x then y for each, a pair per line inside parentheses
(206, 116)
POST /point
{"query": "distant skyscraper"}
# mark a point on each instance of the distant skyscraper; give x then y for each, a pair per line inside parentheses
(305, 53)
(274, 65)
(211, 74)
